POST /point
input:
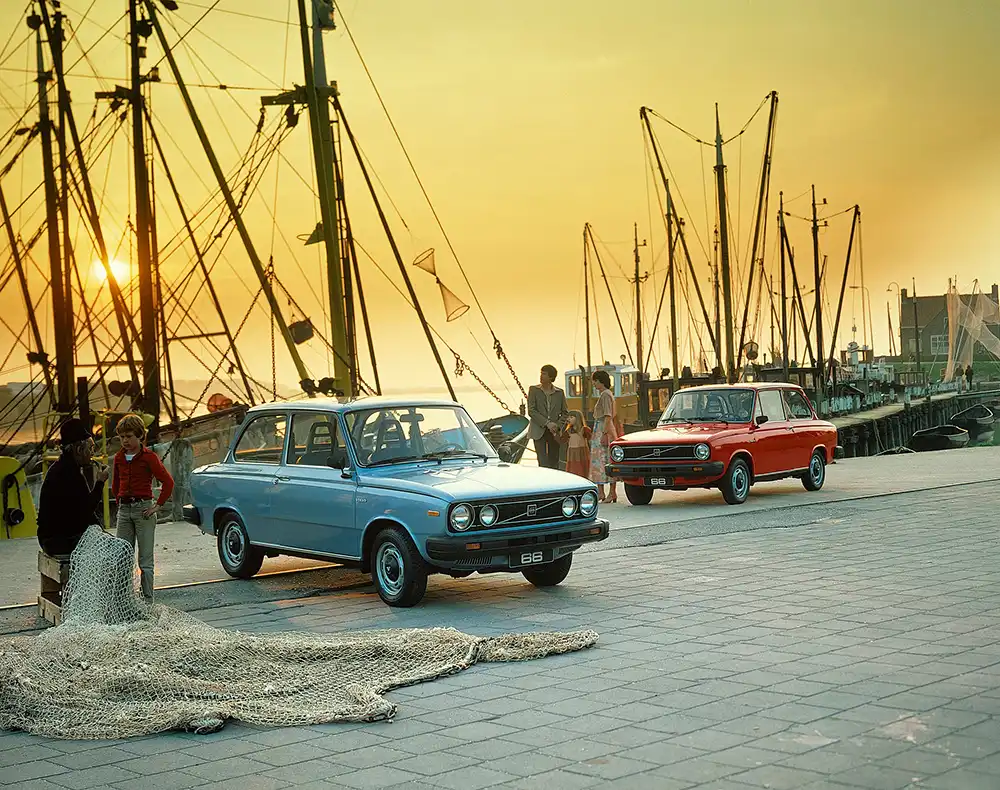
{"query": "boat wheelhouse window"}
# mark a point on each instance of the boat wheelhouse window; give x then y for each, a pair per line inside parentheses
(574, 385)
(628, 384)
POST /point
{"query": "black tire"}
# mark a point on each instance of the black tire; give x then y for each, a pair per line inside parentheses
(398, 571)
(239, 558)
(816, 476)
(735, 486)
(550, 574)
(638, 495)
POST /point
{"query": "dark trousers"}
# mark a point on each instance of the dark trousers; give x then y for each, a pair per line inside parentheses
(547, 450)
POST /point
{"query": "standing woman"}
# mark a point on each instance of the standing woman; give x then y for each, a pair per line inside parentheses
(604, 432)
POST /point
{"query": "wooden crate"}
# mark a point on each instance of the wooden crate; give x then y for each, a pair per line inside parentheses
(54, 574)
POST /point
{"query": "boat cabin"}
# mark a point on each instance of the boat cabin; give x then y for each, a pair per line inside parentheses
(581, 394)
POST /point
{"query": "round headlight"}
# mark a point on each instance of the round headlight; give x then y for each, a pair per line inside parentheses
(488, 515)
(702, 451)
(617, 453)
(588, 503)
(569, 506)
(461, 517)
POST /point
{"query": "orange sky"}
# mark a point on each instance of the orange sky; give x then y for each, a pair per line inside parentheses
(522, 119)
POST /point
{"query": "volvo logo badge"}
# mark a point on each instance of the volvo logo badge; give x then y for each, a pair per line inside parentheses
(532, 510)
(656, 451)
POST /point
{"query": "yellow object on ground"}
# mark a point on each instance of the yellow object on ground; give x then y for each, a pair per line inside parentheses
(18, 518)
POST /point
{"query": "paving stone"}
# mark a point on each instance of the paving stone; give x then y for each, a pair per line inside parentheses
(87, 778)
(875, 776)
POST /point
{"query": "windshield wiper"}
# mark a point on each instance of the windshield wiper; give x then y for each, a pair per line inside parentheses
(395, 460)
(439, 454)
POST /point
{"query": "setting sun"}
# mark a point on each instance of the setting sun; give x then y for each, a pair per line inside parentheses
(118, 268)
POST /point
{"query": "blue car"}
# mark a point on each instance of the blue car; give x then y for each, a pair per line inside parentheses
(399, 488)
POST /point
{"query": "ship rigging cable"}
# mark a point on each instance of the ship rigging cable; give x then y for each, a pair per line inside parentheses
(497, 347)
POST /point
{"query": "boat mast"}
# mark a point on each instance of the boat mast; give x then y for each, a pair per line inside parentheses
(318, 95)
(148, 340)
(585, 384)
(63, 338)
(820, 361)
(673, 294)
(718, 305)
(784, 287)
(638, 301)
(760, 220)
(727, 296)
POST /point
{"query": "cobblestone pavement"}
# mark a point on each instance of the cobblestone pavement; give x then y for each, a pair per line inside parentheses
(835, 645)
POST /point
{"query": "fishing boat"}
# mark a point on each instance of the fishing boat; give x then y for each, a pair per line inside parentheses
(976, 419)
(942, 437)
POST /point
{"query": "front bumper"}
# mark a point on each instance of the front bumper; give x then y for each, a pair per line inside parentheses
(838, 453)
(191, 515)
(704, 470)
(492, 553)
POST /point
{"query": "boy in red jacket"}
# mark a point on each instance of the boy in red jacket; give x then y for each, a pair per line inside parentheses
(135, 467)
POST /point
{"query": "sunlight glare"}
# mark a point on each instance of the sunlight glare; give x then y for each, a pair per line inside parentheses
(120, 270)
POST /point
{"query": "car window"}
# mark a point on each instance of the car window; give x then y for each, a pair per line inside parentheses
(724, 404)
(798, 406)
(263, 440)
(382, 436)
(771, 405)
(315, 437)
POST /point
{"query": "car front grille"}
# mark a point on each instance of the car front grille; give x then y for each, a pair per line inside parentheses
(526, 511)
(658, 452)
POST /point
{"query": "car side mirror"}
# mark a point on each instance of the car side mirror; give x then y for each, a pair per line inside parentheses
(337, 460)
(653, 423)
(760, 419)
(13, 516)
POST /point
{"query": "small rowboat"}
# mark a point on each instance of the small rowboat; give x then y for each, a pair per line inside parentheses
(943, 437)
(976, 419)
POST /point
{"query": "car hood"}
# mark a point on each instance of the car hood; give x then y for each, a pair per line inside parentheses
(684, 433)
(458, 481)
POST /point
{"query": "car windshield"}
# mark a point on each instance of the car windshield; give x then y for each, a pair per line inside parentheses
(413, 433)
(711, 405)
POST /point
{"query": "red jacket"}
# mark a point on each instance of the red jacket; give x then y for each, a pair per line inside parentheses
(135, 477)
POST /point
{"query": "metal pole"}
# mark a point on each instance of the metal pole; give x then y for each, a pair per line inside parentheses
(585, 383)
(916, 326)
(147, 303)
(234, 210)
(323, 154)
(821, 362)
(638, 305)
(784, 288)
(760, 218)
(673, 293)
(843, 284)
(727, 295)
(63, 340)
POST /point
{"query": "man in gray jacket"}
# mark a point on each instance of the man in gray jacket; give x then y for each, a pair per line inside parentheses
(547, 412)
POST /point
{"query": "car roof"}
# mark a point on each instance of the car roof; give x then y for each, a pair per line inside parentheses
(355, 404)
(749, 385)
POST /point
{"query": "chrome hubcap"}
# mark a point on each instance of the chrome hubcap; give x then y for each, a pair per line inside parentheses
(232, 544)
(389, 567)
(740, 482)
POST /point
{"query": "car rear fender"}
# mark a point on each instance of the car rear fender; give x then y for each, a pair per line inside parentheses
(746, 457)
(220, 513)
(375, 526)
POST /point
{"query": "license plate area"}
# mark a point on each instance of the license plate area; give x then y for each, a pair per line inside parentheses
(659, 482)
(520, 559)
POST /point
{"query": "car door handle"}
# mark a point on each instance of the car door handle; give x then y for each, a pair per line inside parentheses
(282, 478)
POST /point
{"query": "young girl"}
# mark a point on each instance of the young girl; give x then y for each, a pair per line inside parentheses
(578, 447)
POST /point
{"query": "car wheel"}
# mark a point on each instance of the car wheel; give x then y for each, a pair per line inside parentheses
(551, 573)
(735, 485)
(638, 495)
(398, 570)
(816, 476)
(239, 559)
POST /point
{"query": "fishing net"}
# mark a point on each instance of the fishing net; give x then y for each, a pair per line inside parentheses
(118, 667)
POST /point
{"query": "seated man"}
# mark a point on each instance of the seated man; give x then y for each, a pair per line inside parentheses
(67, 505)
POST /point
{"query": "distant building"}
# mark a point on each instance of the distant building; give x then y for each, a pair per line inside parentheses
(932, 319)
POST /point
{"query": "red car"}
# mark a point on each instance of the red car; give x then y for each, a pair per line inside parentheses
(727, 437)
